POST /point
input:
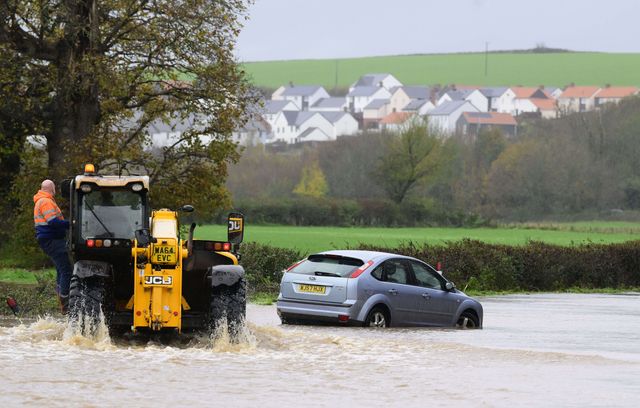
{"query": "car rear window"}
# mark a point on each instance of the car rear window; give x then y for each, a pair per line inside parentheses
(328, 265)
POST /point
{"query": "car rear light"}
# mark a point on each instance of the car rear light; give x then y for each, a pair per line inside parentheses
(343, 318)
(91, 243)
(361, 269)
(294, 265)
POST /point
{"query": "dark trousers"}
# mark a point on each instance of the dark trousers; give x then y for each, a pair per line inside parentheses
(56, 249)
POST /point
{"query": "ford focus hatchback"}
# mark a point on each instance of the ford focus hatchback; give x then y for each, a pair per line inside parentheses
(374, 289)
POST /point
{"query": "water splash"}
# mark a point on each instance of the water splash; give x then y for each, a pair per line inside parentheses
(232, 337)
(87, 331)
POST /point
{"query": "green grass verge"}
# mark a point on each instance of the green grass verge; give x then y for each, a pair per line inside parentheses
(504, 69)
(314, 239)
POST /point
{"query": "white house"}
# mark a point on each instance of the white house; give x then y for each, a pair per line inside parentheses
(271, 108)
(402, 95)
(304, 95)
(337, 104)
(526, 99)
(374, 112)
(255, 131)
(298, 122)
(500, 99)
(614, 94)
(361, 96)
(386, 81)
(553, 92)
(396, 121)
(444, 117)
(419, 106)
(477, 98)
(343, 124)
(577, 99)
(281, 129)
(313, 134)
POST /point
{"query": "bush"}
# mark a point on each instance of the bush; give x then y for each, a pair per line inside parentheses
(533, 267)
(344, 212)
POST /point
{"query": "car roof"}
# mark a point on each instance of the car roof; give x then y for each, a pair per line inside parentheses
(363, 255)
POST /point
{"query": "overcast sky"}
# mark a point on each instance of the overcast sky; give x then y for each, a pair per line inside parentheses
(300, 29)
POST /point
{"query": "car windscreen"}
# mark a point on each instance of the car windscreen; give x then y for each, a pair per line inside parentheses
(110, 214)
(327, 265)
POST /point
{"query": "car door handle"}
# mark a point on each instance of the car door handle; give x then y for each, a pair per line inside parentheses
(426, 296)
(393, 291)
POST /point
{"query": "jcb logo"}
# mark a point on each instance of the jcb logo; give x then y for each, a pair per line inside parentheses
(158, 280)
(235, 224)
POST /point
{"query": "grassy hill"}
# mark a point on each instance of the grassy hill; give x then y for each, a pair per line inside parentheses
(504, 68)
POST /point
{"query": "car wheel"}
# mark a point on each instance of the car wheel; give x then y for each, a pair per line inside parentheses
(377, 317)
(468, 320)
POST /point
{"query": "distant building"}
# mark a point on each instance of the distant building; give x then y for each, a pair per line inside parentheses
(614, 94)
(500, 99)
(477, 98)
(304, 96)
(472, 123)
(255, 131)
(337, 104)
(395, 121)
(444, 117)
(419, 106)
(577, 99)
(374, 112)
(386, 81)
(401, 96)
(342, 124)
(361, 96)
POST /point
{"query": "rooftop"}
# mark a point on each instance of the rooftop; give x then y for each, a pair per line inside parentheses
(579, 92)
(617, 92)
(489, 118)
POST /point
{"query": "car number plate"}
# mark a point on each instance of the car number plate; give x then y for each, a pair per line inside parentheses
(164, 254)
(313, 289)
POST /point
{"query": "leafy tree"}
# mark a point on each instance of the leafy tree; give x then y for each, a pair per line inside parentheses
(313, 183)
(91, 76)
(410, 158)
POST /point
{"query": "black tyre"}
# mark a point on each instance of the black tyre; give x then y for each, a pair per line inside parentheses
(86, 297)
(378, 317)
(229, 302)
(468, 320)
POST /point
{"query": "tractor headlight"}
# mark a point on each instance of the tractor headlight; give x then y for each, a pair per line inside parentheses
(86, 188)
(136, 187)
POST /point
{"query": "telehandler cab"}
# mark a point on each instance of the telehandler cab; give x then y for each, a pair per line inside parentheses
(132, 267)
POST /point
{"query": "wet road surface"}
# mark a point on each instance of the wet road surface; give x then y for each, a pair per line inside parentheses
(537, 350)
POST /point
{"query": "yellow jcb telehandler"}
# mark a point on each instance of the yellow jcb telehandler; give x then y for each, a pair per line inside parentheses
(132, 267)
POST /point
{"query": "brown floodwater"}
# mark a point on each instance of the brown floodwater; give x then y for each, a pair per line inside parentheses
(537, 350)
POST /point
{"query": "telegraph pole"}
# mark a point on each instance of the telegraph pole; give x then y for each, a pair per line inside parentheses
(486, 58)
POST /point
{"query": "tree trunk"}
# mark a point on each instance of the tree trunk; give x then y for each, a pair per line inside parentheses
(77, 108)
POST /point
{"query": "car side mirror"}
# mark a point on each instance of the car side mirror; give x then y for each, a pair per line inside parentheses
(235, 231)
(449, 286)
(143, 237)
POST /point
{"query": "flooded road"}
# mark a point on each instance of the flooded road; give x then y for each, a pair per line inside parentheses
(538, 350)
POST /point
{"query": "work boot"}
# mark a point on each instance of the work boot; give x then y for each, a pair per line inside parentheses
(63, 302)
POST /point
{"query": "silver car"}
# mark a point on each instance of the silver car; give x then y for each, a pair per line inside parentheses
(373, 289)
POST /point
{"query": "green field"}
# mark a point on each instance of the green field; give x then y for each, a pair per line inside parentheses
(312, 239)
(531, 69)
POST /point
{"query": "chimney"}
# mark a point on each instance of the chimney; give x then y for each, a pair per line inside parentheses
(290, 84)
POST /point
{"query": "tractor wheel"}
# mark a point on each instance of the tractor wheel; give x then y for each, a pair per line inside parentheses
(229, 302)
(86, 296)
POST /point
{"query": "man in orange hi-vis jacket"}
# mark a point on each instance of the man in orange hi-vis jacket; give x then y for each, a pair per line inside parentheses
(51, 228)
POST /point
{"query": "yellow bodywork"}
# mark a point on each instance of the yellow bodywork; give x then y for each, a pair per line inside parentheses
(157, 294)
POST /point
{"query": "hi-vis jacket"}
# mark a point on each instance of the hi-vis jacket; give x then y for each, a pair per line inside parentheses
(47, 217)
